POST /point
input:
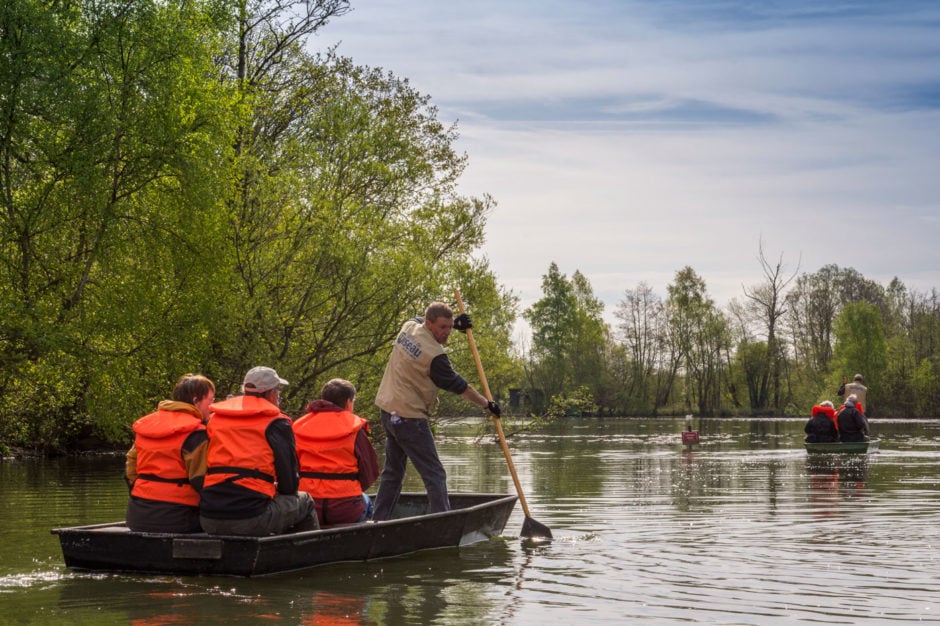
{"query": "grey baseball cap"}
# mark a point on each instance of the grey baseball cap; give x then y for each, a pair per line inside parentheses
(260, 379)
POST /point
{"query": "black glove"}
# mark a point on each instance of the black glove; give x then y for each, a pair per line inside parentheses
(493, 408)
(462, 322)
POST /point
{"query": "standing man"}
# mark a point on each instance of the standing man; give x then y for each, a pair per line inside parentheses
(252, 476)
(858, 389)
(407, 396)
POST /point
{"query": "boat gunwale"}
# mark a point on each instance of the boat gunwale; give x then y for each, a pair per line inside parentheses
(842, 447)
(113, 527)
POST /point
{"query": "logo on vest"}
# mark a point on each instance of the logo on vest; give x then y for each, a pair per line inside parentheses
(409, 346)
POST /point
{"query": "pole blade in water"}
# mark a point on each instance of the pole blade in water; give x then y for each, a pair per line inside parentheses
(532, 529)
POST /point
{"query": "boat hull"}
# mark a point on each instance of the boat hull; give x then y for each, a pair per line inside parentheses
(112, 547)
(843, 447)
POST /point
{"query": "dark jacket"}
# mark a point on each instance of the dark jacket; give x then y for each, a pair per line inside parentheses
(820, 428)
(852, 425)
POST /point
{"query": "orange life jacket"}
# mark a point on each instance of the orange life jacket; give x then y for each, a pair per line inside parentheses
(326, 443)
(858, 405)
(161, 471)
(828, 411)
(238, 450)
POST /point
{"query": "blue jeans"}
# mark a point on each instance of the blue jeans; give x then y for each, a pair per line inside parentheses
(370, 508)
(410, 438)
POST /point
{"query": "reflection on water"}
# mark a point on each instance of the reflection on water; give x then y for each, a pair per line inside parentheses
(396, 591)
(743, 528)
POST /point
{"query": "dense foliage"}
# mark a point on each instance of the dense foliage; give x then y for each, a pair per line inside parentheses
(782, 350)
(185, 187)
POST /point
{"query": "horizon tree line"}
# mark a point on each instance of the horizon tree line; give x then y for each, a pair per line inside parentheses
(781, 349)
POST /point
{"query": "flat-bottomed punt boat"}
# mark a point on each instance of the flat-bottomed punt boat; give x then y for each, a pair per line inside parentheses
(113, 547)
(836, 447)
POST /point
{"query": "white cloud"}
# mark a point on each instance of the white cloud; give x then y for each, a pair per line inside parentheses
(628, 140)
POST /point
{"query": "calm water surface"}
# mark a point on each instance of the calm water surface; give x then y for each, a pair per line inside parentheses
(743, 529)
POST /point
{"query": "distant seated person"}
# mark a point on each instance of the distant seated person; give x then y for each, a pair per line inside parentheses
(252, 475)
(852, 423)
(167, 463)
(821, 427)
(337, 460)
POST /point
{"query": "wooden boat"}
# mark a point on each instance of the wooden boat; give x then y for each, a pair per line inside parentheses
(853, 447)
(112, 547)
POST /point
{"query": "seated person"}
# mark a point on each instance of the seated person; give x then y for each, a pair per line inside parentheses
(337, 460)
(167, 463)
(251, 479)
(821, 427)
(852, 423)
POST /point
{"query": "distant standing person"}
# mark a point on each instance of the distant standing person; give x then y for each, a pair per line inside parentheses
(852, 423)
(407, 397)
(857, 388)
(166, 465)
(252, 476)
(337, 460)
(821, 427)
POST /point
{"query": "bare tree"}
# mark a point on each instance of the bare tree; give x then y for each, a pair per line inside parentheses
(653, 367)
(767, 304)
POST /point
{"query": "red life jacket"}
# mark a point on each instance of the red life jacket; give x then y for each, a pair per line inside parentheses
(238, 450)
(326, 443)
(828, 411)
(161, 471)
(858, 406)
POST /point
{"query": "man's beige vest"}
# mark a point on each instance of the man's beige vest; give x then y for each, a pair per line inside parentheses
(860, 391)
(407, 388)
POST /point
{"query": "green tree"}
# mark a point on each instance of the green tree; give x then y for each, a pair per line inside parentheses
(924, 323)
(812, 307)
(553, 319)
(343, 212)
(913, 353)
(926, 388)
(860, 346)
(571, 346)
(898, 382)
(187, 188)
(700, 339)
(109, 152)
(591, 352)
(353, 225)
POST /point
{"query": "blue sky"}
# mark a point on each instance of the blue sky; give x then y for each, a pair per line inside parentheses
(630, 139)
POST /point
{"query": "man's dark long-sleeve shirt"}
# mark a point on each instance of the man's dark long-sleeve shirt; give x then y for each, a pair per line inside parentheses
(444, 376)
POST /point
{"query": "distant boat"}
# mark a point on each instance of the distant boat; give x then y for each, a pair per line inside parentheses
(114, 548)
(853, 447)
